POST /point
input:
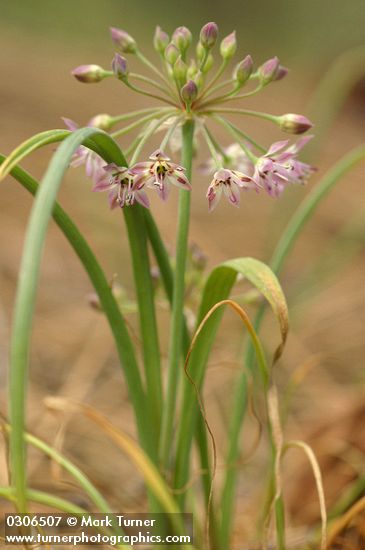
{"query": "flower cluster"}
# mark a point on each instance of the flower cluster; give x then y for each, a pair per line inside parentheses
(190, 90)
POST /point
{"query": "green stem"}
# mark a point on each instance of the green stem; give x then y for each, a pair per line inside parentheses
(177, 320)
(212, 148)
(132, 114)
(216, 77)
(247, 112)
(146, 136)
(151, 66)
(239, 132)
(232, 130)
(149, 94)
(230, 96)
(137, 123)
(147, 80)
(151, 351)
(164, 265)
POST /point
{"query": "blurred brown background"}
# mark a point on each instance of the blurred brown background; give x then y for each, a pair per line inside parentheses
(72, 353)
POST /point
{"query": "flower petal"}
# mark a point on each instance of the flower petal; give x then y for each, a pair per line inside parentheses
(70, 124)
(142, 198)
(213, 196)
(275, 147)
(101, 185)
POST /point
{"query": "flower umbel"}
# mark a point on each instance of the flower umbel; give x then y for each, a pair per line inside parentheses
(159, 173)
(188, 93)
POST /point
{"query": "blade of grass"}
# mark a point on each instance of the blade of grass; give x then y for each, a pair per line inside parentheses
(332, 92)
(319, 482)
(57, 503)
(95, 496)
(26, 294)
(217, 288)
(108, 302)
(138, 457)
(30, 145)
(263, 370)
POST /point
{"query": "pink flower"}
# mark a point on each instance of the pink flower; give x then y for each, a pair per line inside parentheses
(280, 167)
(124, 190)
(229, 182)
(159, 173)
(94, 164)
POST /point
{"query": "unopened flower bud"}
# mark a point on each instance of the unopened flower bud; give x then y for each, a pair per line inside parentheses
(209, 35)
(171, 54)
(192, 70)
(179, 70)
(160, 40)
(182, 38)
(102, 121)
(155, 277)
(294, 124)
(269, 70)
(281, 72)
(198, 257)
(228, 46)
(199, 80)
(123, 40)
(189, 92)
(89, 73)
(243, 70)
(119, 66)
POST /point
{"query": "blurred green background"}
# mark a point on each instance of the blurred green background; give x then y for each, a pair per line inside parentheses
(309, 32)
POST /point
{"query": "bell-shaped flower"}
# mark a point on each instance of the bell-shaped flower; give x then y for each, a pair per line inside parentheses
(280, 167)
(123, 190)
(228, 182)
(159, 173)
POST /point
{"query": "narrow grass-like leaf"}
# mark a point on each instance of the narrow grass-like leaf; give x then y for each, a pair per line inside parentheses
(217, 288)
(26, 293)
(301, 445)
(262, 365)
(61, 504)
(103, 290)
(9, 493)
(331, 93)
(310, 204)
(135, 453)
(30, 145)
(94, 495)
(342, 522)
